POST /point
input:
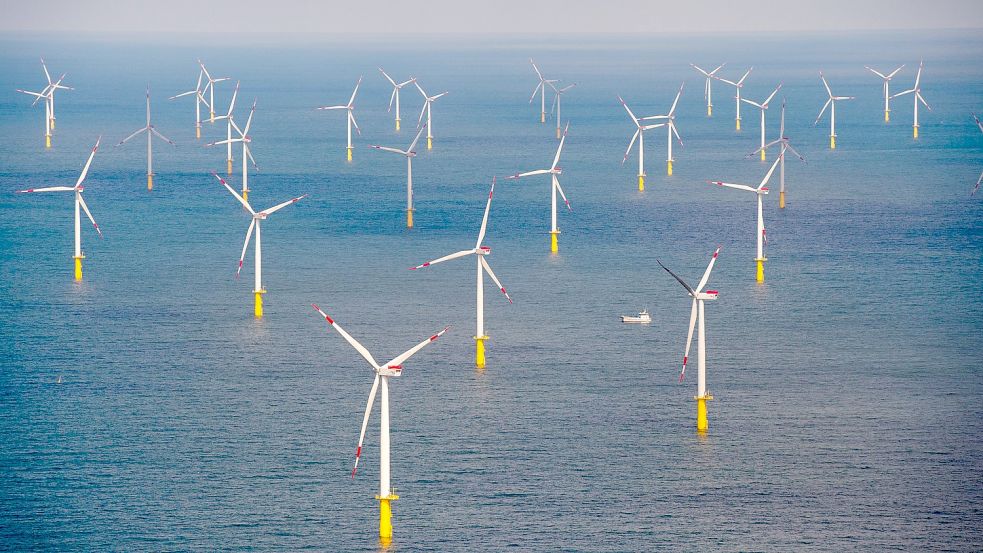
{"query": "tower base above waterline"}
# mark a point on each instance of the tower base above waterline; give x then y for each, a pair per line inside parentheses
(258, 305)
(554, 243)
(887, 116)
(914, 131)
(78, 267)
(198, 130)
(150, 181)
(763, 156)
(709, 110)
(409, 218)
(737, 123)
(781, 199)
(386, 515)
(641, 183)
(759, 275)
(702, 424)
(430, 143)
(245, 194)
(669, 168)
(47, 141)
(479, 351)
(228, 167)
(832, 142)
(397, 124)
(349, 153)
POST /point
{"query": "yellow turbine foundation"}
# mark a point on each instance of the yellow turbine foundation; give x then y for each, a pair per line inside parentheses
(409, 218)
(558, 133)
(397, 124)
(78, 267)
(641, 183)
(781, 199)
(52, 123)
(430, 143)
(228, 166)
(211, 117)
(542, 117)
(258, 306)
(349, 153)
(738, 123)
(245, 195)
(386, 515)
(832, 142)
(198, 131)
(709, 110)
(702, 425)
(915, 131)
(762, 155)
(554, 246)
(669, 168)
(479, 351)
(887, 115)
(47, 141)
(759, 275)
(150, 181)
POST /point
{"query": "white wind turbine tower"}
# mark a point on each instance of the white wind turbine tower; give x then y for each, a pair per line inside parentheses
(830, 103)
(887, 93)
(395, 95)
(917, 91)
(151, 130)
(670, 125)
(785, 145)
(556, 103)
(52, 87)
(79, 203)
(409, 153)
(350, 110)
(210, 88)
(48, 95)
(554, 171)
(228, 130)
(199, 100)
(394, 368)
(707, 93)
(479, 251)
(739, 85)
(640, 136)
(759, 192)
(763, 106)
(427, 101)
(247, 153)
(541, 90)
(697, 313)
(258, 218)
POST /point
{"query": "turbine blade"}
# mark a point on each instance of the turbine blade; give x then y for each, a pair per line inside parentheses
(354, 343)
(706, 274)
(234, 193)
(278, 207)
(484, 220)
(245, 246)
(88, 213)
(681, 281)
(85, 170)
(461, 253)
(365, 422)
(689, 338)
(488, 269)
(401, 358)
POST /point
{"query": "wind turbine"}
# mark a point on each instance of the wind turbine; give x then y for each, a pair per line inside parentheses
(246, 140)
(258, 218)
(427, 101)
(710, 75)
(738, 86)
(979, 180)
(409, 153)
(210, 88)
(394, 368)
(831, 103)
(696, 312)
(554, 171)
(640, 136)
(228, 130)
(785, 145)
(48, 95)
(556, 103)
(199, 100)
(350, 109)
(52, 86)
(479, 252)
(670, 128)
(760, 191)
(395, 94)
(151, 130)
(763, 106)
(79, 202)
(541, 90)
(887, 94)
(918, 97)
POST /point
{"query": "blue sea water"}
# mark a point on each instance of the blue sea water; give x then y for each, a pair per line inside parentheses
(146, 409)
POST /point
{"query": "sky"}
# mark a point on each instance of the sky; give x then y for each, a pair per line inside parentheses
(486, 16)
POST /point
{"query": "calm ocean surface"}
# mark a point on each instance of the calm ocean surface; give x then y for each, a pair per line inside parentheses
(146, 409)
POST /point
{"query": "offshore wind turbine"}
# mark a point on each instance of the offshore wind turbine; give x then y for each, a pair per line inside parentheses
(246, 140)
(395, 95)
(556, 103)
(785, 145)
(199, 100)
(210, 88)
(258, 218)
(739, 85)
(394, 368)
(48, 95)
(228, 130)
(697, 313)
(831, 103)
(52, 87)
(640, 136)
(79, 203)
(541, 90)
(759, 192)
(707, 93)
(887, 93)
(670, 125)
(151, 130)
(350, 110)
(554, 171)
(979, 180)
(409, 153)
(427, 101)
(917, 91)
(763, 106)
(479, 251)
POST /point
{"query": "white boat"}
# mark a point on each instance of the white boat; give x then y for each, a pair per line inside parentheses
(642, 317)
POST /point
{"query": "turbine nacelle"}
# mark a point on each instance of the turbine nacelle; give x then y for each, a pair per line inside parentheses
(391, 370)
(708, 295)
(482, 250)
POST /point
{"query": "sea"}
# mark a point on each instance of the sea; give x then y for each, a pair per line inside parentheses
(146, 409)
